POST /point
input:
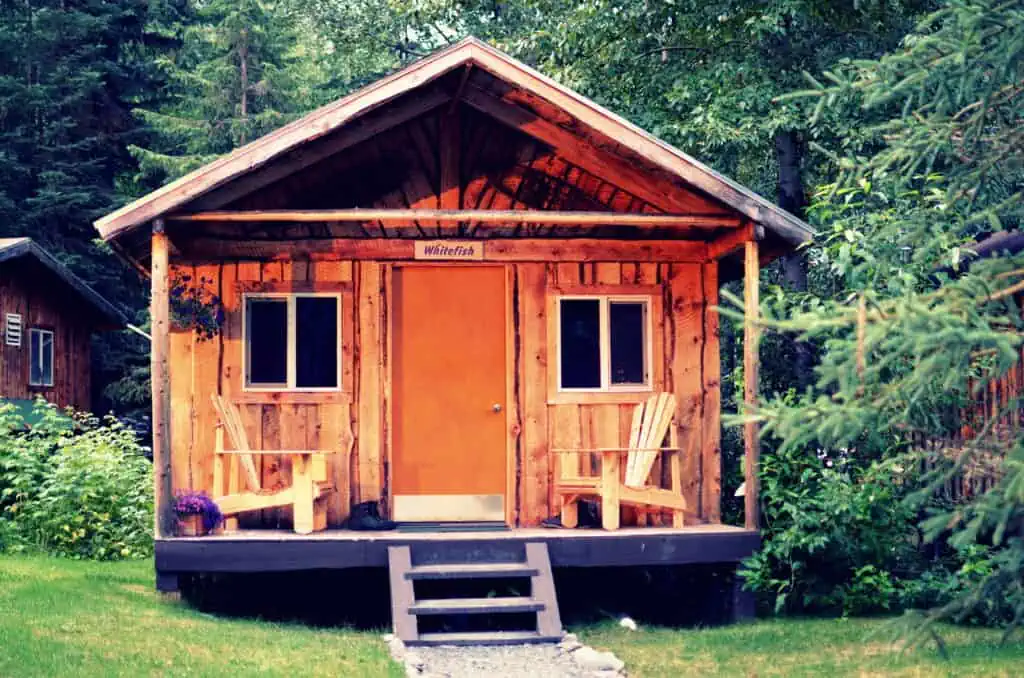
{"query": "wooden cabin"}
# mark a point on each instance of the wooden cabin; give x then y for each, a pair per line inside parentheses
(443, 282)
(48, 316)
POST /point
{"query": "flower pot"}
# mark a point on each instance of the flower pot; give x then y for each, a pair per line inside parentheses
(190, 526)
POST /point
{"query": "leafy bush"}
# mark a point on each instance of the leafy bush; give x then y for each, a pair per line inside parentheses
(839, 536)
(73, 485)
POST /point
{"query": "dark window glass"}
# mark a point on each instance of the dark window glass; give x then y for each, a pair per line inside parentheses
(41, 363)
(267, 326)
(581, 343)
(316, 338)
(627, 326)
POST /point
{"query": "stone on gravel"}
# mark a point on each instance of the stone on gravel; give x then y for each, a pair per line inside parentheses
(504, 661)
(397, 649)
(590, 659)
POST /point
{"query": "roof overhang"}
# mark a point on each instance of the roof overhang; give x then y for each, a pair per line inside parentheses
(18, 248)
(177, 195)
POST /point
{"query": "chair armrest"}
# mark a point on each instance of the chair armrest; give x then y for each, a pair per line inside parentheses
(620, 450)
(301, 452)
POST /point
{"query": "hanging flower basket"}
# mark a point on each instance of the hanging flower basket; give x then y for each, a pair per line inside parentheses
(197, 514)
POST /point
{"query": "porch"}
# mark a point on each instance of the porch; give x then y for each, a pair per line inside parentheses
(266, 550)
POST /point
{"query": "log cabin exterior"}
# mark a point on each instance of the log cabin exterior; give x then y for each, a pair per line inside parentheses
(48, 316)
(503, 269)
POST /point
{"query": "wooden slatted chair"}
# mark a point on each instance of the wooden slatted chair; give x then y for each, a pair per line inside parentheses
(652, 423)
(309, 476)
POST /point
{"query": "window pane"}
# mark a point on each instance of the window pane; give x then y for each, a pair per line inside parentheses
(316, 336)
(580, 350)
(628, 325)
(267, 327)
(47, 358)
(35, 375)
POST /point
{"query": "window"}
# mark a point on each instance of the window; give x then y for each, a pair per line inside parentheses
(292, 341)
(41, 361)
(604, 343)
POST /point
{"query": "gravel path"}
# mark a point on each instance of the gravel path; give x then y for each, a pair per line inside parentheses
(509, 661)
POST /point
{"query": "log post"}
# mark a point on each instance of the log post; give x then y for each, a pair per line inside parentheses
(751, 433)
(159, 311)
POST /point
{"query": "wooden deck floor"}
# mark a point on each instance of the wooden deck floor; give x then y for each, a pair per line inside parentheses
(283, 550)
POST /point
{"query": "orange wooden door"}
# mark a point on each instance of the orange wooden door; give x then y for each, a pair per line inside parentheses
(449, 460)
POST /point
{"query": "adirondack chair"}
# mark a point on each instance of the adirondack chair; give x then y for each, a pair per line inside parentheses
(309, 476)
(615, 486)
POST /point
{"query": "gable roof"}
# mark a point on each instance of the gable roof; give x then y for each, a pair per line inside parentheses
(469, 51)
(17, 248)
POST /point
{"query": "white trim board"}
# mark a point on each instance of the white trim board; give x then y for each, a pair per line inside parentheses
(448, 507)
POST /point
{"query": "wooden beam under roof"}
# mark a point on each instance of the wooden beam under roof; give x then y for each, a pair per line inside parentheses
(307, 156)
(644, 185)
(713, 221)
(499, 249)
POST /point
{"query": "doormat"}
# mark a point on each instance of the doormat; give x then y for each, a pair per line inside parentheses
(482, 526)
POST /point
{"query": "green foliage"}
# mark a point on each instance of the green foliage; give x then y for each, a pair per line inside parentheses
(239, 69)
(840, 535)
(74, 486)
(918, 337)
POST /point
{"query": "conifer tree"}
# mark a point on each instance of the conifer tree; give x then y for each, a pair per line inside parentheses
(69, 74)
(241, 70)
(923, 334)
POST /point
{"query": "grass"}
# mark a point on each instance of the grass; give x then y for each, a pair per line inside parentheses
(804, 647)
(61, 617)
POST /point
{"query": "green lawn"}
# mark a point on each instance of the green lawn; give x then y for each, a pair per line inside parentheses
(803, 647)
(66, 618)
(60, 617)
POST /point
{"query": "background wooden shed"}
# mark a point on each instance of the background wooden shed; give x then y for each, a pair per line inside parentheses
(47, 316)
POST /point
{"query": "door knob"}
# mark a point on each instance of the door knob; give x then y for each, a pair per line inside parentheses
(496, 407)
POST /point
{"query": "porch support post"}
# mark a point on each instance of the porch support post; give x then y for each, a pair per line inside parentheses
(159, 311)
(751, 433)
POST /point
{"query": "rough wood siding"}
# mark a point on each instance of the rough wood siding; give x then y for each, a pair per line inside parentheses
(201, 367)
(45, 307)
(685, 336)
(687, 332)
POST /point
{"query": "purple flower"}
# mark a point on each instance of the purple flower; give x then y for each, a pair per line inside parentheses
(198, 504)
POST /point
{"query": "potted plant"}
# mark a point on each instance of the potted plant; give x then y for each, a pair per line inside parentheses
(197, 514)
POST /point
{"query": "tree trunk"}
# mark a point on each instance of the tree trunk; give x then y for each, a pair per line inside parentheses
(791, 197)
(243, 63)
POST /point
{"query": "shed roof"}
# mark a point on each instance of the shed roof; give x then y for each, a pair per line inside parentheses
(17, 248)
(177, 195)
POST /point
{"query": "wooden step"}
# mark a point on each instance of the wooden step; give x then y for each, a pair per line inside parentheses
(406, 610)
(506, 604)
(471, 571)
(484, 638)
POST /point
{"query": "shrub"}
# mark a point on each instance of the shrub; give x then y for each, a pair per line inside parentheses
(838, 536)
(73, 485)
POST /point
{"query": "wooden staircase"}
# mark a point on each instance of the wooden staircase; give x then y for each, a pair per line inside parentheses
(462, 565)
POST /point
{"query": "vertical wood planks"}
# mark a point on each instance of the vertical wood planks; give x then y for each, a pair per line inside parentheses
(687, 311)
(331, 424)
(181, 342)
(204, 374)
(370, 420)
(537, 493)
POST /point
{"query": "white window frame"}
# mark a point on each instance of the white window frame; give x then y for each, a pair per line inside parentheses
(605, 343)
(34, 331)
(290, 344)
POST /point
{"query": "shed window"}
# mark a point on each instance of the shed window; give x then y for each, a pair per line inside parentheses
(41, 361)
(603, 343)
(292, 341)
